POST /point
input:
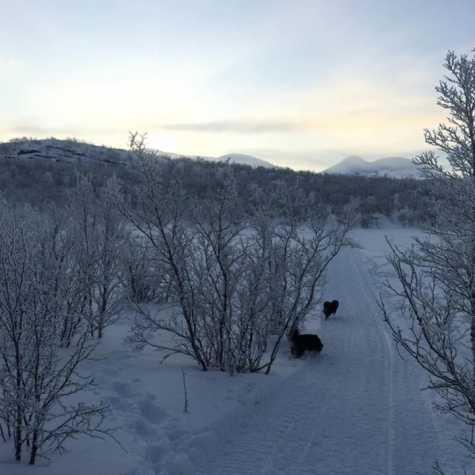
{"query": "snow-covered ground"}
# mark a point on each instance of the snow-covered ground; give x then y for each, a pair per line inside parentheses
(355, 409)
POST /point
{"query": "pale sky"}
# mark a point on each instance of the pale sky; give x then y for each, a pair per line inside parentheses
(300, 83)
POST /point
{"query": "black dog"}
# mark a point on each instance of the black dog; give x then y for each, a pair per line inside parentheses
(330, 308)
(299, 344)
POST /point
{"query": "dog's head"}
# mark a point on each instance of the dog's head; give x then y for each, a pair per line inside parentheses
(293, 334)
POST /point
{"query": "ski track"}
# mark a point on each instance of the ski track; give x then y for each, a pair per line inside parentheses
(355, 409)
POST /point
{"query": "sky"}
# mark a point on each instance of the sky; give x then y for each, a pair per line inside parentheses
(300, 83)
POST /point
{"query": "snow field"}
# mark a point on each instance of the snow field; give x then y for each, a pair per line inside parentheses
(357, 408)
(354, 409)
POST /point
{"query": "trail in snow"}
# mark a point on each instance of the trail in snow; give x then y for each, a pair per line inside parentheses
(355, 409)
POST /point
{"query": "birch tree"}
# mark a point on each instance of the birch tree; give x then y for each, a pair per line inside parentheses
(437, 273)
(111, 240)
(37, 377)
(100, 238)
(238, 283)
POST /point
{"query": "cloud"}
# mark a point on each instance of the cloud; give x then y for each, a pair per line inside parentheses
(237, 126)
(39, 130)
(339, 123)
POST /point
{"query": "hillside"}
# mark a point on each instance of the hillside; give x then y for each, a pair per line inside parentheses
(68, 151)
(75, 151)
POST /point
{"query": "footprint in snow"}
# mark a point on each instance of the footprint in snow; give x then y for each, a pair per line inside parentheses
(152, 413)
(123, 390)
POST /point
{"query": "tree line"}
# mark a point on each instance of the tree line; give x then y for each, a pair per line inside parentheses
(39, 181)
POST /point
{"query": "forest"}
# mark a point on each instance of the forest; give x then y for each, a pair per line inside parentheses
(39, 181)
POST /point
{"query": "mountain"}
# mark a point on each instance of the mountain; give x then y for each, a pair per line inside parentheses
(235, 158)
(245, 160)
(396, 167)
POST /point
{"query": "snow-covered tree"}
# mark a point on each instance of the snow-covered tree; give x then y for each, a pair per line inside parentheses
(111, 241)
(160, 217)
(437, 273)
(37, 376)
(295, 255)
(100, 237)
(142, 275)
(237, 282)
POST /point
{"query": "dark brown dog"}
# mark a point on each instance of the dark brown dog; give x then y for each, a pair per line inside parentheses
(299, 344)
(330, 308)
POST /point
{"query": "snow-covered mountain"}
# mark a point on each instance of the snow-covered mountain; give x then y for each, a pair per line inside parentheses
(235, 158)
(396, 167)
(245, 160)
(76, 151)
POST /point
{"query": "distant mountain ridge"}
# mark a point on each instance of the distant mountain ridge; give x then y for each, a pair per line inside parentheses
(245, 160)
(239, 158)
(76, 151)
(396, 167)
